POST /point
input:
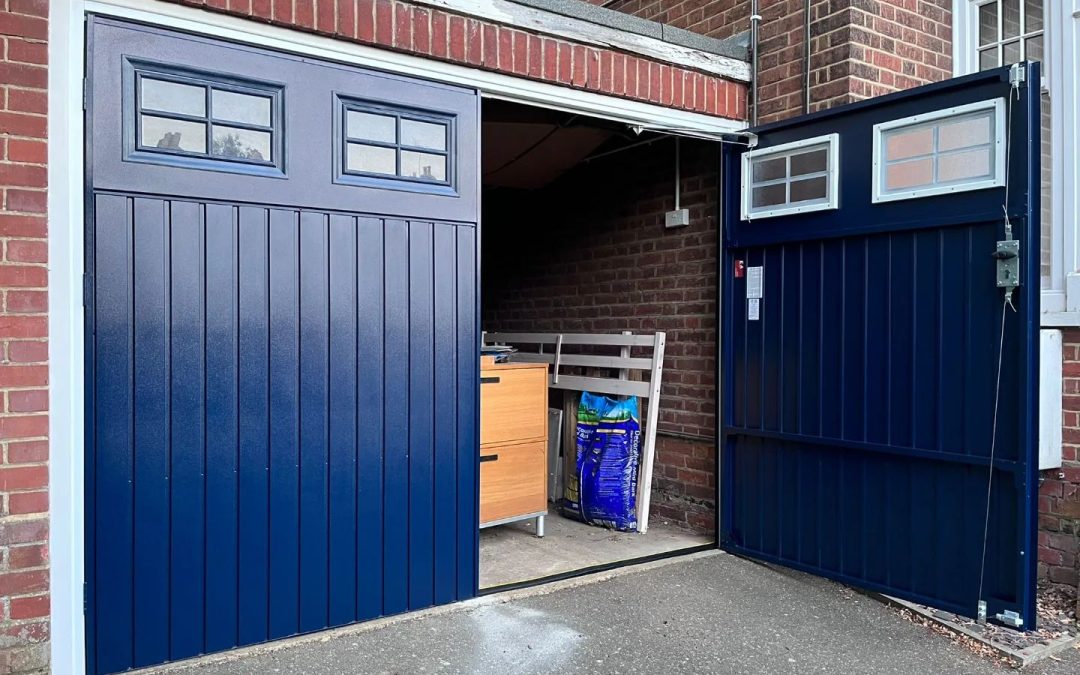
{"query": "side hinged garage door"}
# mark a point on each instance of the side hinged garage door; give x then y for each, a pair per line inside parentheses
(881, 305)
(281, 345)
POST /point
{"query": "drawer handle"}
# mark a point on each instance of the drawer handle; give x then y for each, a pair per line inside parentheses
(488, 458)
(489, 380)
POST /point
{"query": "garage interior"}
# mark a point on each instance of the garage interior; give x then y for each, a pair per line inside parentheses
(573, 241)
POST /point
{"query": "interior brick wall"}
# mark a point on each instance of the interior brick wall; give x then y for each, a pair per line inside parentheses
(590, 253)
(1059, 494)
(24, 472)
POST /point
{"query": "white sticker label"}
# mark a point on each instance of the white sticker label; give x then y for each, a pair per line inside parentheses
(753, 282)
(753, 309)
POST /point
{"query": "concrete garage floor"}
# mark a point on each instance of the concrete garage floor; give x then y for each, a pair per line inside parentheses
(706, 613)
(513, 553)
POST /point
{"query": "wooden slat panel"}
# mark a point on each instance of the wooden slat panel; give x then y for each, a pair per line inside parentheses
(596, 339)
(585, 360)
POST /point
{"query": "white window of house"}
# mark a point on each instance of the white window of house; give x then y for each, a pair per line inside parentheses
(951, 150)
(992, 33)
(791, 178)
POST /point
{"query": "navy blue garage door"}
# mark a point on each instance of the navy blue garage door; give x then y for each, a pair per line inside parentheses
(880, 394)
(281, 346)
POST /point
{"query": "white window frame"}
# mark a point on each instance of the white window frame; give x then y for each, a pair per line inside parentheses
(832, 175)
(997, 105)
(1060, 303)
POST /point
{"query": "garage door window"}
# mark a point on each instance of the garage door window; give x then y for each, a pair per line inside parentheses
(182, 118)
(790, 178)
(396, 148)
(950, 150)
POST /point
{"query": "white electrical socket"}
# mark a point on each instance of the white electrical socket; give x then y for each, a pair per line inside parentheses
(677, 218)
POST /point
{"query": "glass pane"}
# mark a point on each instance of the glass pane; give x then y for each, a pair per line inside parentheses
(909, 143)
(1033, 49)
(1033, 15)
(423, 165)
(158, 132)
(814, 161)
(964, 165)
(1010, 53)
(988, 59)
(1010, 19)
(805, 190)
(173, 97)
(769, 169)
(370, 127)
(964, 133)
(243, 108)
(769, 195)
(371, 159)
(988, 23)
(241, 144)
(423, 134)
(909, 174)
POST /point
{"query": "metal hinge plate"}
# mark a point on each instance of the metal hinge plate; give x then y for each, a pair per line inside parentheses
(1010, 618)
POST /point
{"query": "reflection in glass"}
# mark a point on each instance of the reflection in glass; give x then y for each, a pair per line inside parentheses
(169, 134)
(241, 144)
(423, 165)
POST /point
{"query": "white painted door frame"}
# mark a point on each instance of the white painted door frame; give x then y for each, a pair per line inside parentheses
(67, 54)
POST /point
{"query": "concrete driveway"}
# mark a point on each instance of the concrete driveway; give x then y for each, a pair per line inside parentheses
(710, 613)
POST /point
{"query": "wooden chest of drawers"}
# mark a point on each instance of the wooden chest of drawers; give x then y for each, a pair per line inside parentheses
(513, 443)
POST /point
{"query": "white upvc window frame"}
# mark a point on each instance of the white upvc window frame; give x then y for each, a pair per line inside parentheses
(832, 176)
(1060, 303)
(996, 105)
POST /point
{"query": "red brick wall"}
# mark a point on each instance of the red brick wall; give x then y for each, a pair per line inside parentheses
(591, 254)
(1059, 495)
(460, 39)
(859, 48)
(24, 497)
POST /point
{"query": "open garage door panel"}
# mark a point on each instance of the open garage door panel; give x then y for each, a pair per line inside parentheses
(880, 394)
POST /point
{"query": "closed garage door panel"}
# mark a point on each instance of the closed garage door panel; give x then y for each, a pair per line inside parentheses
(282, 363)
(276, 394)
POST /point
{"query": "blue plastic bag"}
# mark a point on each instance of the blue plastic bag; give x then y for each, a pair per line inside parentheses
(603, 490)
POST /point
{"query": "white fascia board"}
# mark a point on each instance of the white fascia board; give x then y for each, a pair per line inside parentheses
(490, 84)
(589, 33)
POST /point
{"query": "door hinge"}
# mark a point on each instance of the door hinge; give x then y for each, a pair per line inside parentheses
(85, 597)
(85, 94)
(1010, 618)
